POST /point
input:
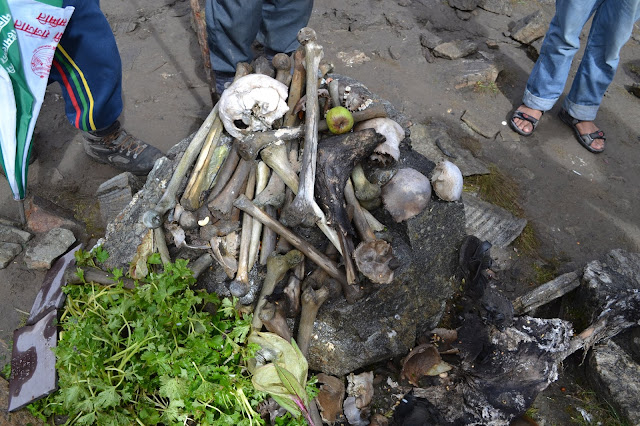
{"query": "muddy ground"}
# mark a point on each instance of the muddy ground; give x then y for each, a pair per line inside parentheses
(579, 205)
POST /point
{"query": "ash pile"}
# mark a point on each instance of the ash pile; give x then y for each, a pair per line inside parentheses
(335, 239)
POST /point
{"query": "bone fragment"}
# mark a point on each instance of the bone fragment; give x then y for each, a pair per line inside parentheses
(191, 197)
(292, 291)
(273, 318)
(269, 238)
(224, 250)
(261, 65)
(546, 293)
(296, 87)
(282, 63)
(334, 93)
(153, 218)
(273, 194)
(330, 397)
(201, 264)
(225, 173)
(244, 204)
(277, 267)
(161, 244)
(311, 302)
(302, 211)
(364, 190)
(240, 286)
(373, 257)
(222, 205)
(250, 145)
(262, 175)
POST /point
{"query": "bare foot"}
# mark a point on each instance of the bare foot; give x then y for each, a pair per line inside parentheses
(525, 125)
(588, 127)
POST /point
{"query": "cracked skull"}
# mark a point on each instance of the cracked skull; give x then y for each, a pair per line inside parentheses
(251, 104)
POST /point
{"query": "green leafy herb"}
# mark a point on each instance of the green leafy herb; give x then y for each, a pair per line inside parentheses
(152, 355)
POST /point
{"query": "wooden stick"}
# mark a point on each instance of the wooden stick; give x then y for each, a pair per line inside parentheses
(201, 33)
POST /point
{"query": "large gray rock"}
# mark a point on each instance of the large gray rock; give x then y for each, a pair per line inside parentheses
(10, 234)
(501, 7)
(386, 322)
(125, 233)
(617, 379)
(530, 28)
(47, 248)
(8, 251)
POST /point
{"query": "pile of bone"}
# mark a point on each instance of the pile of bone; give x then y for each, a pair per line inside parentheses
(260, 173)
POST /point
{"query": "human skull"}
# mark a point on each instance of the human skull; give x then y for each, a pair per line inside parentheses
(251, 104)
(387, 152)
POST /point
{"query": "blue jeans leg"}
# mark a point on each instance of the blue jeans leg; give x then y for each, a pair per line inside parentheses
(233, 25)
(562, 41)
(611, 28)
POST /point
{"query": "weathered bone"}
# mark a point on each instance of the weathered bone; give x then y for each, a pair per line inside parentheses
(191, 197)
(333, 92)
(364, 190)
(261, 65)
(224, 252)
(153, 218)
(273, 194)
(225, 173)
(311, 302)
(296, 87)
(240, 286)
(302, 211)
(269, 238)
(222, 205)
(244, 204)
(336, 158)
(282, 63)
(275, 156)
(262, 175)
(273, 318)
(373, 256)
(292, 291)
(277, 267)
(250, 145)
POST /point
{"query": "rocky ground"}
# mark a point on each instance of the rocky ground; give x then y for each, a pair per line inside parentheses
(579, 205)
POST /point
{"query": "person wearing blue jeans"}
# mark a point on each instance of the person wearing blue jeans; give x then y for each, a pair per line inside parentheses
(233, 25)
(87, 66)
(613, 22)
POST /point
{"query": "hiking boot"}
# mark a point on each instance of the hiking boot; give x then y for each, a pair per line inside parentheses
(123, 151)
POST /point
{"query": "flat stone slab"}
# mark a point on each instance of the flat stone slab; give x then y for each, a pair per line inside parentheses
(33, 363)
(423, 140)
(617, 379)
(455, 49)
(10, 234)
(490, 222)
(48, 248)
(500, 7)
(50, 294)
(530, 28)
(469, 72)
(8, 252)
(477, 122)
(464, 4)
(116, 193)
(44, 215)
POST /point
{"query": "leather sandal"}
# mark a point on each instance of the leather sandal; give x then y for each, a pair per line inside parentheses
(586, 139)
(526, 117)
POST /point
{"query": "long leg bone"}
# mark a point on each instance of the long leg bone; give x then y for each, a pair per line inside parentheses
(302, 211)
(273, 194)
(297, 85)
(336, 158)
(269, 238)
(240, 286)
(275, 156)
(262, 175)
(225, 173)
(277, 267)
(244, 204)
(222, 205)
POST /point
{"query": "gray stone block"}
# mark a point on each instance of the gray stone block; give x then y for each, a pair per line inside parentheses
(455, 49)
(116, 193)
(9, 234)
(530, 28)
(8, 252)
(48, 248)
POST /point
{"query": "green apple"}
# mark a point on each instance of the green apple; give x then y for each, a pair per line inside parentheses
(339, 120)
